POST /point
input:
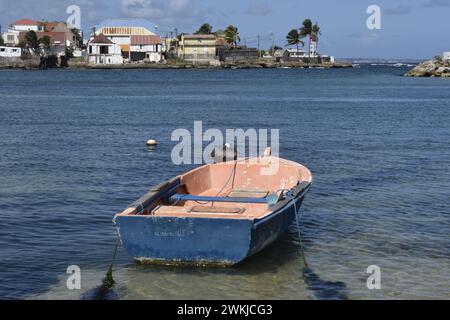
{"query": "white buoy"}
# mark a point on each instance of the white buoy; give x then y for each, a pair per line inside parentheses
(152, 142)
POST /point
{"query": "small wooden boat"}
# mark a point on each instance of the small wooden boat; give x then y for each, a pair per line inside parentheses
(218, 213)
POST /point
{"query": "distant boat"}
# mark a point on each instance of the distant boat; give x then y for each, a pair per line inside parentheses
(216, 214)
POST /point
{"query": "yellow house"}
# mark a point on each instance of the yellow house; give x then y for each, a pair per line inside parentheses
(199, 47)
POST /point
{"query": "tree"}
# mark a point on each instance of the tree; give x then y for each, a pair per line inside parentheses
(46, 42)
(1, 41)
(31, 40)
(293, 38)
(205, 28)
(78, 38)
(232, 35)
(315, 32)
(311, 31)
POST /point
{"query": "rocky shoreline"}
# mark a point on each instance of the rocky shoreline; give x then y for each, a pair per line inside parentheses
(178, 64)
(436, 67)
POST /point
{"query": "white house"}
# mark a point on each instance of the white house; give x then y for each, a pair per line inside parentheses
(10, 52)
(11, 37)
(446, 55)
(294, 54)
(27, 25)
(120, 31)
(101, 50)
(146, 47)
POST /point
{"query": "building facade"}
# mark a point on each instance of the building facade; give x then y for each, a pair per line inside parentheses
(198, 47)
(120, 31)
(147, 47)
(10, 52)
(101, 50)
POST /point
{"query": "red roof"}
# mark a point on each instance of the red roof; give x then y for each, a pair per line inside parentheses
(101, 38)
(145, 40)
(25, 22)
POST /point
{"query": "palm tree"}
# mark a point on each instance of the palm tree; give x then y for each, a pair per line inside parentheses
(31, 40)
(293, 38)
(232, 35)
(315, 32)
(205, 28)
(46, 42)
(306, 31)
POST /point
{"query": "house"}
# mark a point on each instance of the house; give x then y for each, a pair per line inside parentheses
(61, 27)
(199, 47)
(27, 25)
(291, 54)
(11, 37)
(446, 56)
(101, 50)
(145, 47)
(119, 31)
(10, 52)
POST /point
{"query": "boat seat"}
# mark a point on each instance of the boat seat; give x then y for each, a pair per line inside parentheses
(248, 193)
(189, 197)
(170, 210)
(216, 210)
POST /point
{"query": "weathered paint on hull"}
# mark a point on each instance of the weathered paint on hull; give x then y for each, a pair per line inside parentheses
(200, 241)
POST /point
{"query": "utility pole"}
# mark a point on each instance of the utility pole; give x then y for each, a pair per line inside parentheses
(272, 35)
(259, 51)
(176, 41)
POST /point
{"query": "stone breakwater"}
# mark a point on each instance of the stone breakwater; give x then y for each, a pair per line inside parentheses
(235, 65)
(19, 63)
(431, 68)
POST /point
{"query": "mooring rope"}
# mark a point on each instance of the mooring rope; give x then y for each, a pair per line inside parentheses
(108, 282)
(300, 239)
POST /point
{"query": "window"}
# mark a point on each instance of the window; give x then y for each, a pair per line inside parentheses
(2, 49)
(103, 49)
(14, 50)
(10, 37)
(90, 49)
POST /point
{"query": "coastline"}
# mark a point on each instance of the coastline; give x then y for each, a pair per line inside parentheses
(257, 64)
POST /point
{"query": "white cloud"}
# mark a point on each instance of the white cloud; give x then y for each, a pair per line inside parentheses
(166, 10)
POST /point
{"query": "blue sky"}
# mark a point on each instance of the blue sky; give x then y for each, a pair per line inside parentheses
(410, 28)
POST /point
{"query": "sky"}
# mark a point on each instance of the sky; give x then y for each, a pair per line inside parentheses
(410, 29)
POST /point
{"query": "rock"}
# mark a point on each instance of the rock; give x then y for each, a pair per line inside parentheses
(432, 68)
(152, 142)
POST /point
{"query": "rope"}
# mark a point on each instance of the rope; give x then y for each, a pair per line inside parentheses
(300, 239)
(108, 281)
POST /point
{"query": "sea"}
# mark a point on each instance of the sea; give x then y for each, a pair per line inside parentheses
(73, 153)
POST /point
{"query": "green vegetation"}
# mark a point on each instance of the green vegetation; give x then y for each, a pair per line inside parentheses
(231, 35)
(78, 38)
(31, 41)
(205, 28)
(1, 41)
(311, 31)
(293, 38)
(46, 42)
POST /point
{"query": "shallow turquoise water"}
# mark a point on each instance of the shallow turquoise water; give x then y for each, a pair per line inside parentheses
(73, 153)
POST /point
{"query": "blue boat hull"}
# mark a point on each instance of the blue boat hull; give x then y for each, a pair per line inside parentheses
(201, 240)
